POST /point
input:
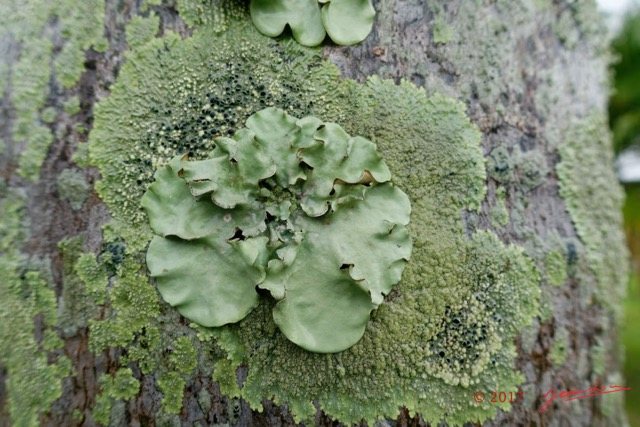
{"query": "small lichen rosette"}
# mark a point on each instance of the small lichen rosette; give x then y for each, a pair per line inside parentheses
(346, 21)
(296, 207)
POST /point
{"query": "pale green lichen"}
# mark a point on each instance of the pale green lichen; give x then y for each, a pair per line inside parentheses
(142, 29)
(560, 346)
(171, 385)
(29, 94)
(433, 152)
(34, 374)
(48, 115)
(81, 155)
(82, 27)
(210, 100)
(612, 404)
(76, 305)
(442, 32)
(121, 386)
(147, 3)
(29, 22)
(72, 105)
(347, 22)
(93, 276)
(73, 187)
(594, 198)
(556, 268)
(134, 303)
(599, 353)
(500, 165)
(531, 169)
(214, 13)
(499, 214)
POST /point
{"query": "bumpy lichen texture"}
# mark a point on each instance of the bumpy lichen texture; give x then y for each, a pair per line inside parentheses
(215, 14)
(449, 327)
(34, 375)
(80, 23)
(594, 200)
(120, 386)
(142, 29)
(294, 206)
(346, 21)
(73, 187)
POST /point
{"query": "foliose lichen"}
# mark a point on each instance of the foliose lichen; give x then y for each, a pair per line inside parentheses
(346, 21)
(262, 210)
(185, 95)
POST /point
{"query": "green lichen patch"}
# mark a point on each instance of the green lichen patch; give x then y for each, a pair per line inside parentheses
(72, 106)
(77, 305)
(73, 187)
(82, 26)
(93, 275)
(594, 200)
(560, 346)
(142, 29)
(556, 268)
(171, 385)
(121, 386)
(402, 360)
(81, 155)
(473, 294)
(133, 301)
(34, 374)
(29, 94)
(500, 165)
(211, 94)
(29, 23)
(499, 214)
(531, 169)
(216, 14)
(48, 115)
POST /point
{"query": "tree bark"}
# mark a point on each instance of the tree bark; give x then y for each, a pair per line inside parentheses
(529, 72)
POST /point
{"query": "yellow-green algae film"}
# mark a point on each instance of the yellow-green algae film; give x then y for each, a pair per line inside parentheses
(446, 331)
(31, 28)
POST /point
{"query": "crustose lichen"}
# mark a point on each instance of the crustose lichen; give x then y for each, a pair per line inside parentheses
(295, 207)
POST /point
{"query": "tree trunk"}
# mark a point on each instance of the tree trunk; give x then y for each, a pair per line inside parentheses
(86, 339)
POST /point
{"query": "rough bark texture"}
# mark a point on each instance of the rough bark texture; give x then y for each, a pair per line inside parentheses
(527, 71)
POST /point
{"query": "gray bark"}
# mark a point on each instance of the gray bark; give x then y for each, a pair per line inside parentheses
(523, 71)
